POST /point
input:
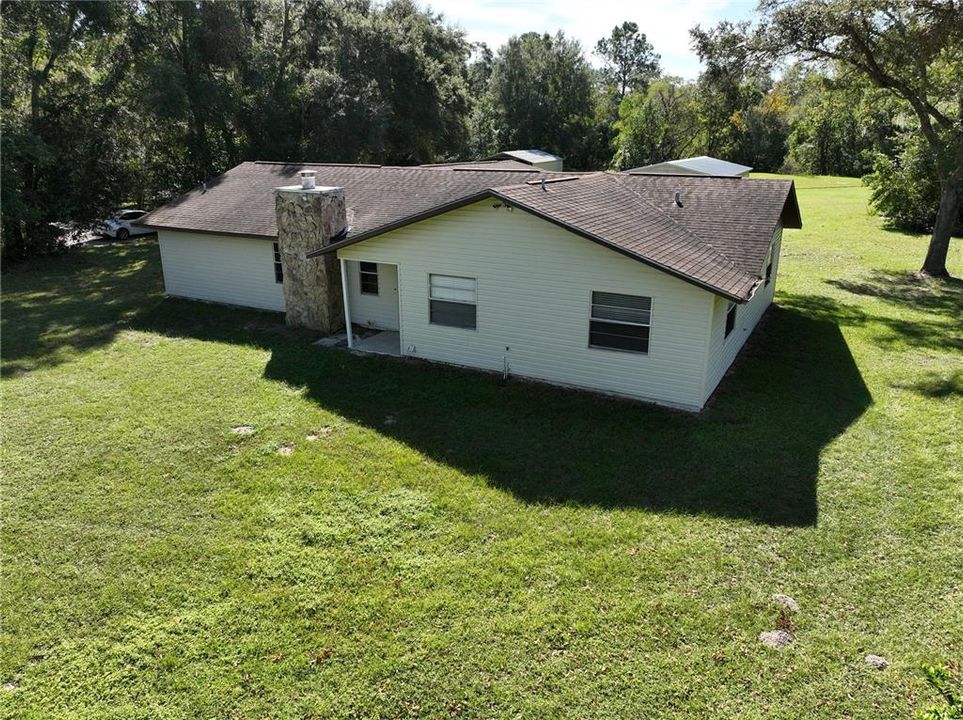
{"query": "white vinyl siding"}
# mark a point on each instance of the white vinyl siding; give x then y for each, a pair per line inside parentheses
(220, 268)
(375, 311)
(534, 294)
(722, 349)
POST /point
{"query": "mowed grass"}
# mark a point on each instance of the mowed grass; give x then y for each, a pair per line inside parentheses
(448, 545)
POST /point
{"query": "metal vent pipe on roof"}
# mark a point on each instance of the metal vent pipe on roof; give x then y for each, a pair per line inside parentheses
(678, 198)
(307, 179)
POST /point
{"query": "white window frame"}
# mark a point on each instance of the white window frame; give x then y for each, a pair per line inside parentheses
(731, 307)
(362, 272)
(592, 318)
(278, 265)
(473, 302)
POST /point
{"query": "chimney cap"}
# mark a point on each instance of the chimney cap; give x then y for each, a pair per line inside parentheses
(307, 179)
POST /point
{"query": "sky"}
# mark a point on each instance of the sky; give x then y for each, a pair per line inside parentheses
(666, 23)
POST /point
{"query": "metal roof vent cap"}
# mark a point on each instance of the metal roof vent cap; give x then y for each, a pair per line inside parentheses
(307, 179)
(678, 198)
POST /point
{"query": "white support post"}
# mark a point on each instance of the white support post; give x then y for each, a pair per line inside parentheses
(347, 306)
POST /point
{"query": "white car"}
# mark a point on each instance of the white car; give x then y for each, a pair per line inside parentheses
(120, 224)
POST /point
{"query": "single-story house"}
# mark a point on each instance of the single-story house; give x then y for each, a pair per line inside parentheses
(703, 166)
(539, 159)
(643, 286)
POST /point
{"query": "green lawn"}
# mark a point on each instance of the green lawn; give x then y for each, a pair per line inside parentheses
(451, 546)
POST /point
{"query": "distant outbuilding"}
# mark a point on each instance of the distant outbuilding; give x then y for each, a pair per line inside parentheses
(536, 158)
(703, 166)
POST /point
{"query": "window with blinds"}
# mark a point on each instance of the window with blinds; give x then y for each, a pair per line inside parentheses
(452, 301)
(369, 278)
(620, 322)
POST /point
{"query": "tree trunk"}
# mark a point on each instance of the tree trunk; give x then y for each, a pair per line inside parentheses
(946, 218)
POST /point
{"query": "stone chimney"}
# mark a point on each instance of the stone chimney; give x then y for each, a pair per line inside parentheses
(308, 218)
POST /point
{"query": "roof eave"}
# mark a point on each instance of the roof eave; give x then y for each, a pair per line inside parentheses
(199, 231)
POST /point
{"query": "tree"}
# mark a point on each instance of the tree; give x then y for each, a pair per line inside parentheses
(62, 62)
(187, 77)
(348, 82)
(420, 65)
(762, 131)
(840, 122)
(911, 48)
(905, 189)
(662, 124)
(733, 81)
(630, 62)
(482, 131)
(542, 92)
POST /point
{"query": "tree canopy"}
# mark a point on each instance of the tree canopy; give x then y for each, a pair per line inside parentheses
(541, 94)
(135, 101)
(910, 48)
(630, 62)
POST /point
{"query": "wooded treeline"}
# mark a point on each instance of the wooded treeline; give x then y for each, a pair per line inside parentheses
(133, 102)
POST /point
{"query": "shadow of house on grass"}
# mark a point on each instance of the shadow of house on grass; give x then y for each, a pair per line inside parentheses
(753, 455)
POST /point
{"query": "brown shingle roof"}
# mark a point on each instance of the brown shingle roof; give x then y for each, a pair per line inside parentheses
(608, 210)
(718, 239)
(734, 215)
(485, 165)
(241, 201)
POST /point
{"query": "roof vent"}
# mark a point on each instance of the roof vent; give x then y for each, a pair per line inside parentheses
(307, 179)
(678, 198)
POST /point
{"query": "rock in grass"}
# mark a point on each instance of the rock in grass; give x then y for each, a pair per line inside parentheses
(242, 430)
(777, 639)
(877, 661)
(786, 601)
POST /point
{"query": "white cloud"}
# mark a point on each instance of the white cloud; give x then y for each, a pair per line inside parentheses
(666, 23)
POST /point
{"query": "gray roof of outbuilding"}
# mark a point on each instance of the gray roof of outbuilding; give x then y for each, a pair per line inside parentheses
(702, 165)
(528, 156)
(718, 239)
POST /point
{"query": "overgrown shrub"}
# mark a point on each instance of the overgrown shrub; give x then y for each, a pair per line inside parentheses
(905, 189)
(942, 679)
